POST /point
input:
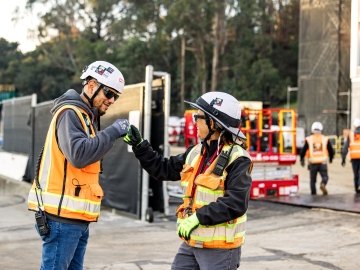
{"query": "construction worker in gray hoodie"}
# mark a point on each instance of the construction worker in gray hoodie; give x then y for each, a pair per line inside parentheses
(66, 194)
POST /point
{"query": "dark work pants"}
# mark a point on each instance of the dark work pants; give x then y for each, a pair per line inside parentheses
(190, 258)
(356, 170)
(314, 169)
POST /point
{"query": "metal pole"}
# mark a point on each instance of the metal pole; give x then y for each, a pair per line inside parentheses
(288, 97)
(146, 134)
(167, 80)
(289, 89)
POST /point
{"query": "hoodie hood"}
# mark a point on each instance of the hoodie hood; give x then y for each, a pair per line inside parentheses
(71, 97)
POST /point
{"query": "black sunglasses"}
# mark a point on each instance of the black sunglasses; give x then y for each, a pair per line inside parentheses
(198, 116)
(109, 94)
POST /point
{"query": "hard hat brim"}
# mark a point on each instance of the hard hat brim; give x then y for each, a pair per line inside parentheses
(232, 130)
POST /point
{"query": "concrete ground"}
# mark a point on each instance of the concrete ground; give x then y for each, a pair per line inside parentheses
(279, 236)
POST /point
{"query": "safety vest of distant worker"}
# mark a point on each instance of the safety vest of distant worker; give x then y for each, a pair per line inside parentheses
(317, 152)
(67, 191)
(203, 189)
(354, 145)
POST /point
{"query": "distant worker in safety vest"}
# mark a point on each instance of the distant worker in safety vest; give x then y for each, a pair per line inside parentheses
(319, 151)
(216, 182)
(66, 194)
(352, 146)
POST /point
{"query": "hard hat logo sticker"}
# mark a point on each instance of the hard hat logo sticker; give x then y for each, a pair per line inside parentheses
(216, 101)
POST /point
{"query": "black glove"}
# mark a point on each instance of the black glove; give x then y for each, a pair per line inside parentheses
(133, 136)
(302, 162)
(343, 163)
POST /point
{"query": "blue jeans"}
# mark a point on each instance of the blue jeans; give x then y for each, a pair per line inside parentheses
(64, 247)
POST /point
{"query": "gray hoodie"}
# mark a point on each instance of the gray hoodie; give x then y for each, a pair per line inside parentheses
(78, 148)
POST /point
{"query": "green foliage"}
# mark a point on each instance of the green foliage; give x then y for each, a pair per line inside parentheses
(9, 55)
(257, 46)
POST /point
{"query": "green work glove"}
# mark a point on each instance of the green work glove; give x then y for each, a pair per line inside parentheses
(187, 225)
(133, 136)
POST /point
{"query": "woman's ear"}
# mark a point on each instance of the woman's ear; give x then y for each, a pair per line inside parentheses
(212, 124)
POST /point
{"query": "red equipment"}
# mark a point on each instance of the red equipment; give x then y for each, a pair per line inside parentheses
(271, 142)
(190, 131)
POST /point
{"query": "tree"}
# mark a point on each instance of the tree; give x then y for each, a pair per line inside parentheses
(9, 58)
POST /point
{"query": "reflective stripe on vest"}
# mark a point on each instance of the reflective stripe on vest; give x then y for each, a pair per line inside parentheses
(317, 152)
(354, 145)
(209, 187)
(58, 178)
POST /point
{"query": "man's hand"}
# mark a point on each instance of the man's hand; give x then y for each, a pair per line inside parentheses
(187, 225)
(133, 136)
(123, 126)
(343, 163)
(302, 162)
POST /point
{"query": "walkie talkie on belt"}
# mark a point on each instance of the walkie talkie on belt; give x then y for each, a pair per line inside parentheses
(41, 222)
(40, 216)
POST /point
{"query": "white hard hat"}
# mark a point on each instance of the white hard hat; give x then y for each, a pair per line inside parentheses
(106, 74)
(356, 122)
(316, 127)
(223, 108)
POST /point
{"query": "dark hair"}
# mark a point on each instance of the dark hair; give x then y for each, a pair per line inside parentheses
(227, 138)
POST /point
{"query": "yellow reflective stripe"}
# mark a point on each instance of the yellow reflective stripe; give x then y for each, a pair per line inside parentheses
(46, 162)
(204, 196)
(207, 239)
(216, 238)
(90, 209)
(45, 194)
(205, 199)
(241, 219)
(68, 202)
(202, 203)
(48, 205)
(209, 191)
(184, 183)
(218, 232)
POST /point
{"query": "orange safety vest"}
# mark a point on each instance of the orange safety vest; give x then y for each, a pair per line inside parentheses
(354, 145)
(67, 191)
(317, 152)
(208, 187)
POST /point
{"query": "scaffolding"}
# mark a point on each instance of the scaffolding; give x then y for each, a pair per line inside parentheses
(324, 69)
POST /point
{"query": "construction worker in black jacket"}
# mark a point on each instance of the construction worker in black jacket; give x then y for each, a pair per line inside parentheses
(216, 182)
(352, 146)
(318, 150)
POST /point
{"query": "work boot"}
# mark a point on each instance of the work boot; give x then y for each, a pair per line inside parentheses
(323, 189)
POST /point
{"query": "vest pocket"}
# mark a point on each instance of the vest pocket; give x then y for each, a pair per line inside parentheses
(186, 173)
(209, 181)
(96, 192)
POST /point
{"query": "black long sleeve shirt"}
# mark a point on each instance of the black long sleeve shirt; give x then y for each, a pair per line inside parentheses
(232, 205)
(329, 147)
